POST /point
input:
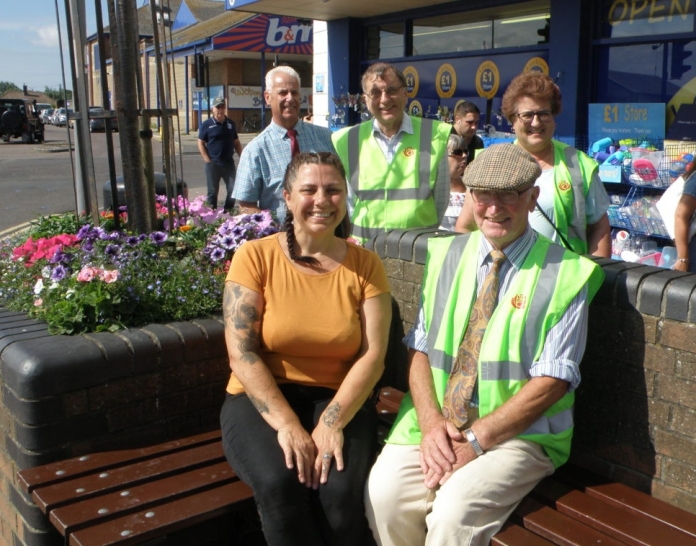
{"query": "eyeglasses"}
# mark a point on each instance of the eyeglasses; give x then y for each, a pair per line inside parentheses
(458, 153)
(527, 117)
(487, 197)
(390, 92)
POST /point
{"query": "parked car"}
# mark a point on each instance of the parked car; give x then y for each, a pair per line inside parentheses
(47, 115)
(19, 118)
(61, 117)
(97, 122)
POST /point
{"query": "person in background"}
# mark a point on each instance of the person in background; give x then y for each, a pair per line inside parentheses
(217, 142)
(396, 164)
(307, 318)
(686, 249)
(493, 365)
(262, 165)
(573, 204)
(467, 117)
(457, 157)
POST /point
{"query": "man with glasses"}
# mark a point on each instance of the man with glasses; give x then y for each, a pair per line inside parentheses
(467, 117)
(217, 142)
(262, 166)
(396, 164)
(493, 365)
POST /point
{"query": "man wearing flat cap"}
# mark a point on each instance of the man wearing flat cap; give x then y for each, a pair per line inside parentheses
(217, 142)
(493, 367)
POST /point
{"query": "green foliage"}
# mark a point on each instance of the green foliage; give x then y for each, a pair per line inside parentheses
(58, 94)
(7, 86)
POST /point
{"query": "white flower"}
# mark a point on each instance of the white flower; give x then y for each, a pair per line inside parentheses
(38, 287)
(46, 272)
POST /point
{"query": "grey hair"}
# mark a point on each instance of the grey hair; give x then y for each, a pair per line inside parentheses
(455, 142)
(284, 69)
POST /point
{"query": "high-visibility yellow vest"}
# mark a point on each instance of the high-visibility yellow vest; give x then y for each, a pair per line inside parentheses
(396, 195)
(549, 280)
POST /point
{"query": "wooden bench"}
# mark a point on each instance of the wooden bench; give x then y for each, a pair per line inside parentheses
(130, 497)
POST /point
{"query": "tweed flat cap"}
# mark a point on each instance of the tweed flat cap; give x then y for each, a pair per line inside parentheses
(217, 101)
(502, 167)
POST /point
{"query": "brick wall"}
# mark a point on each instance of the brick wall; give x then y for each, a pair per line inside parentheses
(67, 396)
(636, 406)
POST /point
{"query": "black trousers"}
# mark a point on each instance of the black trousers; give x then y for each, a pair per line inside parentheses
(292, 514)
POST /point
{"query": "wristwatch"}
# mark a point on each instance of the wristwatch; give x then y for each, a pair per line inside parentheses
(471, 438)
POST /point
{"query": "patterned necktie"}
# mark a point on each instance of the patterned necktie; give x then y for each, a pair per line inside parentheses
(462, 380)
(294, 144)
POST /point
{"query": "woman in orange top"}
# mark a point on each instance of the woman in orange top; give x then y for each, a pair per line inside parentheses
(307, 316)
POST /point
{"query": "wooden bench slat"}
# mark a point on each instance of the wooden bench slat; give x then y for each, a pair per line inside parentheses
(622, 496)
(559, 528)
(150, 495)
(179, 514)
(639, 503)
(86, 486)
(47, 474)
(514, 535)
(620, 524)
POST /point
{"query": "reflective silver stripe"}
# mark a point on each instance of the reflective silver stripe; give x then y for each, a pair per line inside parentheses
(439, 359)
(354, 157)
(426, 137)
(492, 370)
(539, 305)
(578, 184)
(555, 424)
(422, 192)
(366, 232)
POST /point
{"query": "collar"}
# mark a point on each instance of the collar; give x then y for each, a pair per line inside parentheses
(281, 131)
(405, 127)
(516, 252)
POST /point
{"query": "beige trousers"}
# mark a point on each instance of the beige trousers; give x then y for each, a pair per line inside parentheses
(467, 510)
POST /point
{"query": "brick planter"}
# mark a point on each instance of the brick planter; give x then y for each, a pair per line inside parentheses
(64, 396)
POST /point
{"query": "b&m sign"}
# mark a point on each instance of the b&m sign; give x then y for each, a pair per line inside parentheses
(268, 33)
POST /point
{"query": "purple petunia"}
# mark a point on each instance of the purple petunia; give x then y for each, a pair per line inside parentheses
(59, 273)
(158, 237)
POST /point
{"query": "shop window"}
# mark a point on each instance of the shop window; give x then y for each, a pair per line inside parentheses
(629, 18)
(384, 41)
(522, 31)
(645, 72)
(450, 34)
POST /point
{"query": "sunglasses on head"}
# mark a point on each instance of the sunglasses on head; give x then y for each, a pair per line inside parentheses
(458, 152)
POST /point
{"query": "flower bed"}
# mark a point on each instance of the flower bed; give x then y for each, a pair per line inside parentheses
(83, 278)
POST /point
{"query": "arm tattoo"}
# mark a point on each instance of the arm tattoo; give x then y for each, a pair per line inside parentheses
(243, 319)
(259, 404)
(331, 414)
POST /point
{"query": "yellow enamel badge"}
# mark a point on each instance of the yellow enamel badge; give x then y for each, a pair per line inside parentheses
(519, 301)
(408, 152)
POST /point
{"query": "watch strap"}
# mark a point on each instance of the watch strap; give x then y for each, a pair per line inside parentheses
(471, 438)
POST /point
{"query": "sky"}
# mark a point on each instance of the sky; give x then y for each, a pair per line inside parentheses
(29, 42)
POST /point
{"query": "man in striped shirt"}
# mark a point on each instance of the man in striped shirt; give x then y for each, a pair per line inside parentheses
(259, 184)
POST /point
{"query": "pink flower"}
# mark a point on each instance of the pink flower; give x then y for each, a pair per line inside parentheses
(109, 276)
(87, 273)
(38, 302)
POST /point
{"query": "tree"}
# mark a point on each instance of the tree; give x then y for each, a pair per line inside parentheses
(7, 86)
(57, 94)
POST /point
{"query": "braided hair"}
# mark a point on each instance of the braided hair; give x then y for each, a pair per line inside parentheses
(311, 158)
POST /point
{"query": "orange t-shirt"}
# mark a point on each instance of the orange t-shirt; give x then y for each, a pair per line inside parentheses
(310, 327)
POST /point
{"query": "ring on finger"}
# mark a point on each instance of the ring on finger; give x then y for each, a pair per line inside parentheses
(326, 456)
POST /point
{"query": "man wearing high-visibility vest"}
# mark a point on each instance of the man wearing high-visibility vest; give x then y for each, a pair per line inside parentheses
(494, 364)
(396, 164)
